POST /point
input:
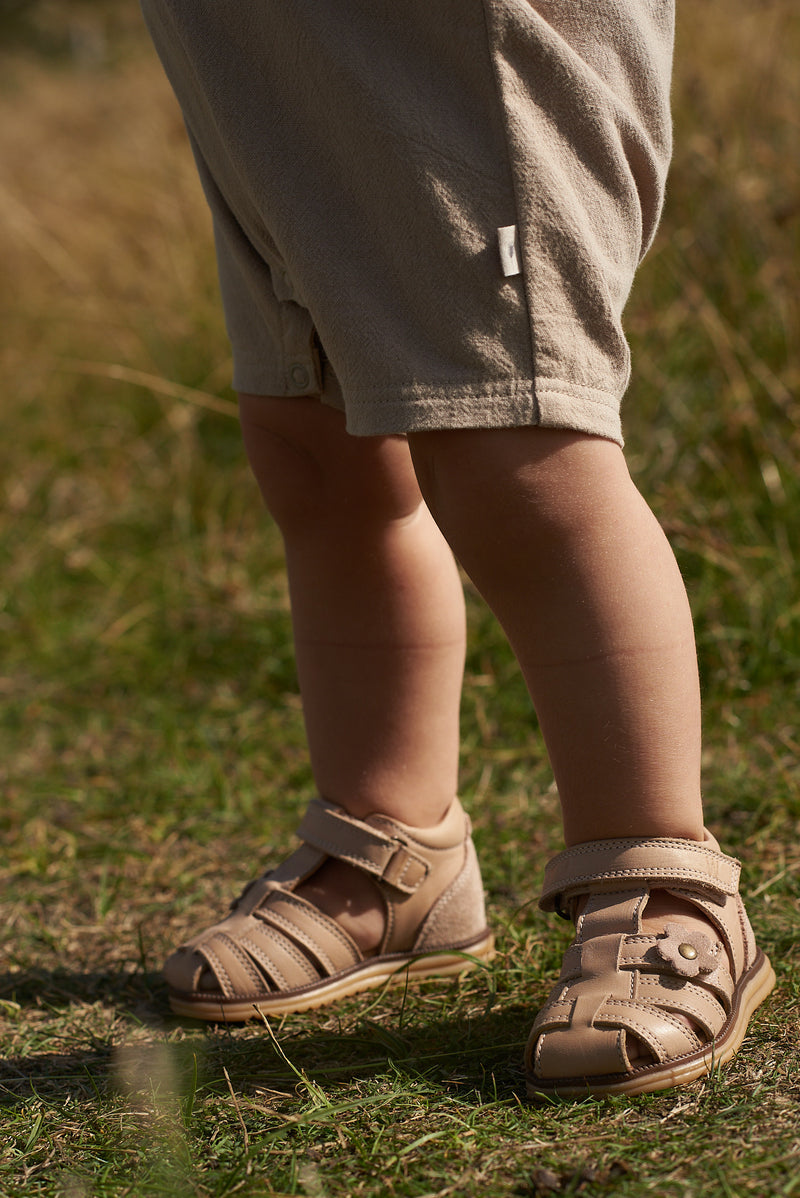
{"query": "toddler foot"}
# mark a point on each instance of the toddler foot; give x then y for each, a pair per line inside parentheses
(664, 973)
(359, 904)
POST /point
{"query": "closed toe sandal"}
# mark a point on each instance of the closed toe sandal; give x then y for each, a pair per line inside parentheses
(275, 949)
(681, 998)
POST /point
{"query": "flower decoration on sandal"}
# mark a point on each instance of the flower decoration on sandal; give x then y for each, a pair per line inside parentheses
(689, 952)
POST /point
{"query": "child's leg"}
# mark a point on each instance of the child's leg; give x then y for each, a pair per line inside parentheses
(386, 875)
(378, 617)
(553, 532)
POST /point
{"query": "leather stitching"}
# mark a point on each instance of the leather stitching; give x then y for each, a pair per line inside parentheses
(288, 946)
(312, 912)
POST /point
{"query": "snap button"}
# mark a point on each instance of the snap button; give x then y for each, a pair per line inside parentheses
(300, 375)
(688, 952)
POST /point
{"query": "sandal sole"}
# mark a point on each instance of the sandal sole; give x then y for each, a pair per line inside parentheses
(392, 971)
(753, 988)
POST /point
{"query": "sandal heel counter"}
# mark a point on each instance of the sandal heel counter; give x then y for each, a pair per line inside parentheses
(459, 914)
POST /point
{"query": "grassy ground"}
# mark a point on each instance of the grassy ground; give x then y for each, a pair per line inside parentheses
(151, 747)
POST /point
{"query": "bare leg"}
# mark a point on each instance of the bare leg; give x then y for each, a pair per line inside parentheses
(552, 530)
(378, 616)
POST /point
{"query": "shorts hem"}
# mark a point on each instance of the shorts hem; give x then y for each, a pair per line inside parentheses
(548, 403)
(583, 409)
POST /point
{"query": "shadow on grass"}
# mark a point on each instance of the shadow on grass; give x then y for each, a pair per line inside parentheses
(476, 1057)
(128, 990)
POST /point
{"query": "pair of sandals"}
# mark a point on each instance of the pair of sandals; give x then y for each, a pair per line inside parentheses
(632, 1011)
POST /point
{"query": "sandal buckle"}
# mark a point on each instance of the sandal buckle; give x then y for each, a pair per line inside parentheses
(404, 870)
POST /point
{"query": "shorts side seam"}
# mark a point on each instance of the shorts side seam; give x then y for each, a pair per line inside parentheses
(498, 89)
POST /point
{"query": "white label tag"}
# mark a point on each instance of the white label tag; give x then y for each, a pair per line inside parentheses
(508, 240)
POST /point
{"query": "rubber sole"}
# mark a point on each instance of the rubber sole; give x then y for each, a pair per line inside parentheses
(753, 988)
(394, 970)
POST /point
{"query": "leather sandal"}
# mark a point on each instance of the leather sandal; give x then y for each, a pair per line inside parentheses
(279, 952)
(619, 982)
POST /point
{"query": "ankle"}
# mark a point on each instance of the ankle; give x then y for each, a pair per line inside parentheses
(408, 810)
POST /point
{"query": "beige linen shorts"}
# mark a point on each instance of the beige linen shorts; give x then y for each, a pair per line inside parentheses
(428, 213)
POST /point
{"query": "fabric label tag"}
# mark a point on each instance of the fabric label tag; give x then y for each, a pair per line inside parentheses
(508, 240)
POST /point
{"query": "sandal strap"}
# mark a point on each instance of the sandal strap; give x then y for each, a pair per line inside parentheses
(659, 861)
(640, 952)
(331, 830)
(567, 1042)
(325, 939)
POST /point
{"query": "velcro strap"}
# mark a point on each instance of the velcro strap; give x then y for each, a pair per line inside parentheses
(389, 858)
(658, 861)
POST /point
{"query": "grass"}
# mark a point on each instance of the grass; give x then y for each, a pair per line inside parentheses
(151, 734)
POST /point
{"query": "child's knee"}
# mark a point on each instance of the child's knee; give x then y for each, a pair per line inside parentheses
(549, 475)
(313, 474)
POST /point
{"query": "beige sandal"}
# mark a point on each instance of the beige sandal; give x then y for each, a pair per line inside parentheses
(276, 950)
(619, 982)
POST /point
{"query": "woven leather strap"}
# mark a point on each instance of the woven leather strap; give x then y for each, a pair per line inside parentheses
(340, 835)
(660, 861)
